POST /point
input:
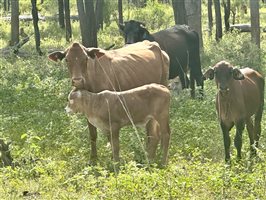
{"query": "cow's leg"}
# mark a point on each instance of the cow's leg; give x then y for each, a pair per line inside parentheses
(192, 86)
(257, 124)
(183, 77)
(165, 139)
(227, 142)
(200, 82)
(250, 130)
(238, 137)
(153, 133)
(114, 138)
(93, 139)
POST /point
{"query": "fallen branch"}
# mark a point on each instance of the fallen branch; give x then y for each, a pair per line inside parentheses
(17, 46)
(243, 28)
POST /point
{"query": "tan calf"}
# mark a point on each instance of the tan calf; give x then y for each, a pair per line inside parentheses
(110, 111)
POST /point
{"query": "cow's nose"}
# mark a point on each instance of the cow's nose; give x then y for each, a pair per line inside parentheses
(77, 82)
(223, 88)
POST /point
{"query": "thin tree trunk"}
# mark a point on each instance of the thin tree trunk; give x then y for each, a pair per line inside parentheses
(67, 20)
(179, 11)
(120, 12)
(14, 22)
(35, 18)
(193, 10)
(255, 22)
(87, 23)
(83, 23)
(227, 8)
(218, 19)
(99, 14)
(61, 14)
(6, 5)
(210, 18)
(89, 8)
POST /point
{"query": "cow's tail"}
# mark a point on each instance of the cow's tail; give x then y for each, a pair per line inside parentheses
(165, 68)
(194, 57)
(258, 115)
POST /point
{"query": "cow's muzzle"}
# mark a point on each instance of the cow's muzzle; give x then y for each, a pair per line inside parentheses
(223, 88)
(78, 82)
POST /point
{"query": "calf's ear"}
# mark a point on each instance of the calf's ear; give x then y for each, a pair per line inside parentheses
(209, 74)
(237, 74)
(56, 55)
(76, 94)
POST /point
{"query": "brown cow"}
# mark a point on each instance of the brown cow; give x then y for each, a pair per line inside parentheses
(240, 96)
(95, 70)
(110, 111)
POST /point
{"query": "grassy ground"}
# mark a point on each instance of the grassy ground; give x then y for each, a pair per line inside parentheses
(51, 149)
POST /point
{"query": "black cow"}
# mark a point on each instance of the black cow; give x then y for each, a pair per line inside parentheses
(181, 44)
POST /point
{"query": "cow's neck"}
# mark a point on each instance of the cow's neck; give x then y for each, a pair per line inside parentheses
(95, 81)
(226, 102)
(89, 99)
(149, 37)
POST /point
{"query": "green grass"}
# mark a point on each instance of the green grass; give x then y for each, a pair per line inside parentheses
(51, 149)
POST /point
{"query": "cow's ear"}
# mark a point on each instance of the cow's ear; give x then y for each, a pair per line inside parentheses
(145, 33)
(121, 27)
(57, 55)
(237, 74)
(209, 74)
(94, 52)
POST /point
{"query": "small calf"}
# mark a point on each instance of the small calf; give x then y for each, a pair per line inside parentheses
(110, 111)
(240, 96)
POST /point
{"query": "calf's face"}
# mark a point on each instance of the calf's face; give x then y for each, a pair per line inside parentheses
(223, 73)
(74, 104)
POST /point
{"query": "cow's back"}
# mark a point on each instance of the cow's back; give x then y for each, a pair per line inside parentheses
(175, 44)
(132, 66)
(253, 88)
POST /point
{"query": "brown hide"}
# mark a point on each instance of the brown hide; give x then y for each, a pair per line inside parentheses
(121, 69)
(240, 96)
(147, 105)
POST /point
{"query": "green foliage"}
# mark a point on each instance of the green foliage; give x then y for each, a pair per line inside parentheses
(51, 149)
(235, 48)
(153, 15)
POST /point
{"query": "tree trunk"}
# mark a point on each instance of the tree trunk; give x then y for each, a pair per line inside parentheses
(210, 18)
(120, 12)
(87, 23)
(227, 8)
(61, 17)
(255, 22)
(218, 20)
(193, 9)
(6, 5)
(99, 14)
(14, 22)
(67, 20)
(179, 11)
(35, 18)
(89, 8)
(83, 23)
